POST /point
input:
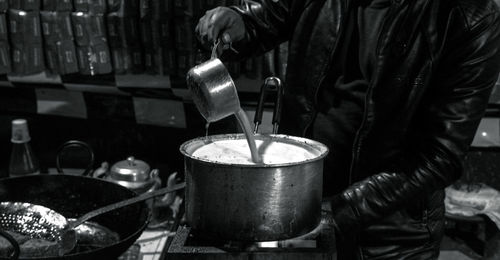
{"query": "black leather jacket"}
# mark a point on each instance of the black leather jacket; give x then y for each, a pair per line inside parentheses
(437, 63)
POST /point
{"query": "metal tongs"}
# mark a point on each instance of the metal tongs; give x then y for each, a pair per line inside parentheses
(271, 84)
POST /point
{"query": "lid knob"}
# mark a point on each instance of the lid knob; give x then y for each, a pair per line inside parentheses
(131, 161)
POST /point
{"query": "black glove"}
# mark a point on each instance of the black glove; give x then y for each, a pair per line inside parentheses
(220, 23)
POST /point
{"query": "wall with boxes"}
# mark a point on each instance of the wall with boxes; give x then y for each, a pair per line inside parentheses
(140, 48)
(60, 40)
(108, 72)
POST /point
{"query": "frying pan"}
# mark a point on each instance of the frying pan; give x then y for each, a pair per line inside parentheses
(73, 196)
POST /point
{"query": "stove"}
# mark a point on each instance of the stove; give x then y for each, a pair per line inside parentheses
(319, 244)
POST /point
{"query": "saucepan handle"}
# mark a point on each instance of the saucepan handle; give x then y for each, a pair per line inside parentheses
(270, 84)
(215, 49)
(15, 245)
(76, 143)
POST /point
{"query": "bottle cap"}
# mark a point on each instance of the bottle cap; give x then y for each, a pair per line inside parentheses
(20, 133)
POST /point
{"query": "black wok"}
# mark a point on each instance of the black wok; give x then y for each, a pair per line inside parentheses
(73, 196)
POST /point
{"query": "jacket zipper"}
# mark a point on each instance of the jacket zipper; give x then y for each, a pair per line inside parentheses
(358, 138)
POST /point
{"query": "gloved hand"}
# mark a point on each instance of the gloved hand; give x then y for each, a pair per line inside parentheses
(220, 23)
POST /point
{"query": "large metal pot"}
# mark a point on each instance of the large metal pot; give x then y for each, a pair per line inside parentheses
(253, 202)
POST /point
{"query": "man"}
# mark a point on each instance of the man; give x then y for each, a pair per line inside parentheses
(395, 88)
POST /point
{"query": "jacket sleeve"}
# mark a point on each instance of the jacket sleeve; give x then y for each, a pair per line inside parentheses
(267, 24)
(465, 77)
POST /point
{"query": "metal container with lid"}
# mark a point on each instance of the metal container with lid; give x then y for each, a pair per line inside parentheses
(134, 174)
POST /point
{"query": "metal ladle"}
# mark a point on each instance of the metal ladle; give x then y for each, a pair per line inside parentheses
(43, 223)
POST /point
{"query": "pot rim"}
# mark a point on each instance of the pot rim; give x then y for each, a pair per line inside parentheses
(188, 147)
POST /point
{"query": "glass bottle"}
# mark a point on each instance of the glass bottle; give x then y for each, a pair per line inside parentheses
(22, 159)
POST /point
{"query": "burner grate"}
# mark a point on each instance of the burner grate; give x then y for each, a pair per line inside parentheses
(186, 245)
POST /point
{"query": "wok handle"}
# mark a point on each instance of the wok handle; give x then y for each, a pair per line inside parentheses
(126, 202)
(13, 242)
(75, 143)
(270, 84)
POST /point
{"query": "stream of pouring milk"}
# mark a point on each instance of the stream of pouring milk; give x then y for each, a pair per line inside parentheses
(247, 129)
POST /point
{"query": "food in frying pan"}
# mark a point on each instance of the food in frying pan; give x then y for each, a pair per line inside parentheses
(29, 247)
(90, 236)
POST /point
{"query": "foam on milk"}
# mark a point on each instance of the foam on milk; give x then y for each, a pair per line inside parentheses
(236, 151)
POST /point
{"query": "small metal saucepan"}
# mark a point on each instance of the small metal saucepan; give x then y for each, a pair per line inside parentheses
(212, 88)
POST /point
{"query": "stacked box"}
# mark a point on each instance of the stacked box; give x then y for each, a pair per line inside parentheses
(185, 61)
(156, 36)
(57, 5)
(56, 26)
(163, 11)
(57, 30)
(127, 60)
(5, 60)
(124, 8)
(60, 51)
(123, 24)
(123, 31)
(96, 7)
(158, 9)
(94, 59)
(4, 6)
(27, 59)
(185, 13)
(25, 5)
(26, 38)
(25, 26)
(89, 29)
(169, 61)
(91, 38)
(184, 8)
(184, 36)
